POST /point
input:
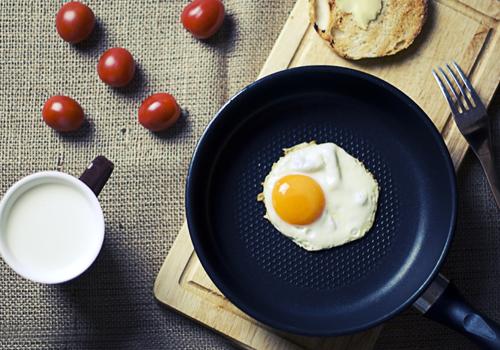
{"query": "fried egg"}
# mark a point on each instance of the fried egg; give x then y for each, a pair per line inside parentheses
(320, 196)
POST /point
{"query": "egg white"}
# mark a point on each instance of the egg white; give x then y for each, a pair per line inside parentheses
(351, 194)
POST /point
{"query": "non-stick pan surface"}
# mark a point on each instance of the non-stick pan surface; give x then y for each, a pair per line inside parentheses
(344, 289)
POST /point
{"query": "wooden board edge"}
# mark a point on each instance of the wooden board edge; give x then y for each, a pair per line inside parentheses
(288, 40)
(490, 8)
(173, 267)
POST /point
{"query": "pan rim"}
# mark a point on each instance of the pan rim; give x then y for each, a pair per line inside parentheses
(195, 233)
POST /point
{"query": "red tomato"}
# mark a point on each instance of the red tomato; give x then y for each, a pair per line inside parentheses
(203, 18)
(116, 67)
(74, 22)
(62, 113)
(159, 112)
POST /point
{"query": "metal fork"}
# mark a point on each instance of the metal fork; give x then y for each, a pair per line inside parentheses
(471, 118)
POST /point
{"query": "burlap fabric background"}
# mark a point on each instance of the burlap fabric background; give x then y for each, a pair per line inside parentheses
(111, 306)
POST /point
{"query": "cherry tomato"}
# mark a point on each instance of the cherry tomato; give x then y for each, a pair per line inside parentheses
(74, 22)
(62, 113)
(203, 18)
(116, 67)
(159, 112)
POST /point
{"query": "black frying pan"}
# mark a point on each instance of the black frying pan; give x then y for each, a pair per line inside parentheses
(355, 286)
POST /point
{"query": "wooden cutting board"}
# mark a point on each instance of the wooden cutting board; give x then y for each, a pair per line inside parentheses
(462, 30)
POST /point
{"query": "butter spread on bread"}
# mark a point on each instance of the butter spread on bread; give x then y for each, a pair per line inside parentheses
(363, 11)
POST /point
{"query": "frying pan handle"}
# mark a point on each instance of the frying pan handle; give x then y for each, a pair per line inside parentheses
(452, 310)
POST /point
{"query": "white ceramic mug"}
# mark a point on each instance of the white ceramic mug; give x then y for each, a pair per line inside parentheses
(52, 225)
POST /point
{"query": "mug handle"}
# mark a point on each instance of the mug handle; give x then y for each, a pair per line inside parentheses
(97, 174)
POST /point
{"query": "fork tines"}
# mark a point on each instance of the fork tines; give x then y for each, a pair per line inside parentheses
(460, 94)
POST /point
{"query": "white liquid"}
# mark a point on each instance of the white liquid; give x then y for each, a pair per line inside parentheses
(51, 228)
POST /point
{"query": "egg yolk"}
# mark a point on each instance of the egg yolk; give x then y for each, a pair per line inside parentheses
(298, 199)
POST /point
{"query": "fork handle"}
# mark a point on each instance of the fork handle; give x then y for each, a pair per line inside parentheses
(488, 163)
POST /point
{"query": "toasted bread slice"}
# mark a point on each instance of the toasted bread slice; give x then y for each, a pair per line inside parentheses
(395, 28)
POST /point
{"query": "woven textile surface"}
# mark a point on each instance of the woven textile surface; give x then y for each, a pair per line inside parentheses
(111, 306)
